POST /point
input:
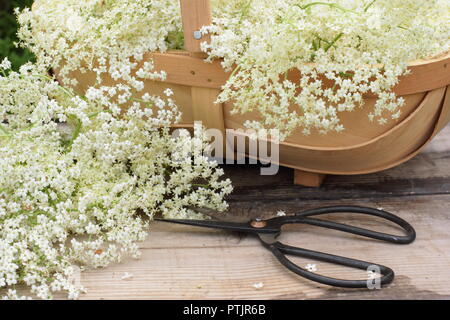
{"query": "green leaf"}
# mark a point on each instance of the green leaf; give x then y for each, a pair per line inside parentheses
(8, 33)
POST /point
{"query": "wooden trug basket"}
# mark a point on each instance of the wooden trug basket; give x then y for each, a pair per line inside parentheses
(364, 147)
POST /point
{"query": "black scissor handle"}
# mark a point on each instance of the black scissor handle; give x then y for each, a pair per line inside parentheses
(304, 218)
(281, 250)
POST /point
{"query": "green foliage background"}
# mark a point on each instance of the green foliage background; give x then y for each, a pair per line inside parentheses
(8, 29)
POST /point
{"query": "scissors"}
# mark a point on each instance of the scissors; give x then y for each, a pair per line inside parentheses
(268, 230)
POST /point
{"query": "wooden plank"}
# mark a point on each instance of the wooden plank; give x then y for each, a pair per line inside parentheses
(391, 182)
(195, 15)
(184, 263)
(180, 264)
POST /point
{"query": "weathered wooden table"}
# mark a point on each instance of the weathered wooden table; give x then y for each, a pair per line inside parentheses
(187, 263)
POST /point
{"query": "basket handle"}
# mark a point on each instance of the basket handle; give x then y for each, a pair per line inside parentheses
(195, 14)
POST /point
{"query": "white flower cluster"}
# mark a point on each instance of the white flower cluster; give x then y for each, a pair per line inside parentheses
(109, 37)
(339, 51)
(298, 62)
(79, 184)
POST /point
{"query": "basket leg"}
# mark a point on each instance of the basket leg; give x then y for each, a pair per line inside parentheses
(308, 179)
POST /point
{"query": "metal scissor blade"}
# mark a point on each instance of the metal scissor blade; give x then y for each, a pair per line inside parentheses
(223, 225)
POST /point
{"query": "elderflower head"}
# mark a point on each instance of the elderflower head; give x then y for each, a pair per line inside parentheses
(109, 38)
(311, 267)
(360, 46)
(5, 64)
(78, 185)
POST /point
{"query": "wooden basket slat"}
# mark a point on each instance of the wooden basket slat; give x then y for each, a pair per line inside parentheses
(195, 14)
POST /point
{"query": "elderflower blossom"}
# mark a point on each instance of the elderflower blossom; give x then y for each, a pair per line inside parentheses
(311, 267)
(108, 37)
(78, 185)
(299, 63)
(126, 276)
(5, 64)
(258, 285)
(286, 53)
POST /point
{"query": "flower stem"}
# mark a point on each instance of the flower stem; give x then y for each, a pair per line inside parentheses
(332, 43)
(369, 5)
(331, 5)
(4, 130)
